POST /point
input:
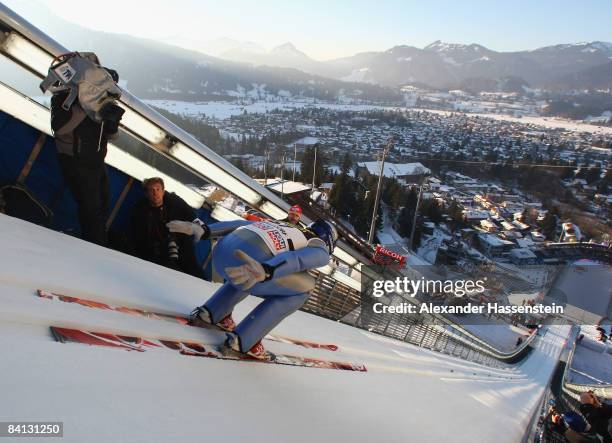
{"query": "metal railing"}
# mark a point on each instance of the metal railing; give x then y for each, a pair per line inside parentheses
(572, 251)
(573, 390)
(336, 301)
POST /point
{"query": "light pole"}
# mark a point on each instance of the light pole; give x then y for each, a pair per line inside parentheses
(386, 150)
(416, 211)
(314, 168)
(266, 168)
(294, 159)
(282, 174)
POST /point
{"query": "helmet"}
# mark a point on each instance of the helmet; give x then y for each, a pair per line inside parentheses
(295, 209)
(326, 232)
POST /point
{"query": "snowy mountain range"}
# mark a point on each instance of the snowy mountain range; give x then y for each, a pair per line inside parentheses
(451, 65)
(227, 68)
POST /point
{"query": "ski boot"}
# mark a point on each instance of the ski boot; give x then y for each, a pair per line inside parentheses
(200, 315)
(232, 342)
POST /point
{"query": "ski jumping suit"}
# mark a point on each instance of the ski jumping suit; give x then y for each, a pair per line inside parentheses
(291, 250)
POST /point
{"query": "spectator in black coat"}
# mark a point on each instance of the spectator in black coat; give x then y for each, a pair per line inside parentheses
(597, 414)
(151, 239)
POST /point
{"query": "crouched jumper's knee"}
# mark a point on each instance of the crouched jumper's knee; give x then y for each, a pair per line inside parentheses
(269, 313)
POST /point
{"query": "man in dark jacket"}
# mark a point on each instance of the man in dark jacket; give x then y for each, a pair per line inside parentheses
(152, 240)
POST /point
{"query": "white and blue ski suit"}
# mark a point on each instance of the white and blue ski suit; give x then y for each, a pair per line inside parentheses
(290, 250)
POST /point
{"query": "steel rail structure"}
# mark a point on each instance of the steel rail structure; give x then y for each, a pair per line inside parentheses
(34, 50)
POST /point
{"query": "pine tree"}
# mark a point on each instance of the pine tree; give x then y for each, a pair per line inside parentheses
(549, 224)
(430, 209)
(406, 215)
(593, 175)
(338, 194)
(568, 173)
(347, 163)
(342, 195)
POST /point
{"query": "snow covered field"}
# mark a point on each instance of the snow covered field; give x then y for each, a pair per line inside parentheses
(222, 110)
(547, 122)
(104, 394)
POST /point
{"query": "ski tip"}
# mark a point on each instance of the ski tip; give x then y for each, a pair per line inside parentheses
(44, 294)
(56, 335)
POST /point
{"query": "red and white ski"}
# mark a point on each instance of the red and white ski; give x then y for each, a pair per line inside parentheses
(175, 318)
(141, 344)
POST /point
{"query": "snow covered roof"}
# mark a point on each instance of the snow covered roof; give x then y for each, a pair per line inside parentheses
(476, 215)
(395, 169)
(508, 226)
(522, 253)
(287, 186)
(520, 225)
(524, 242)
(494, 240)
(307, 141)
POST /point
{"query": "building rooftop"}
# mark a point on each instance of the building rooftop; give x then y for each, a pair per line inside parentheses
(522, 253)
(493, 240)
(286, 186)
(395, 169)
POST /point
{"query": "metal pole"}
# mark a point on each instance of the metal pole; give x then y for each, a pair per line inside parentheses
(314, 167)
(294, 159)
(386, 149)
(266, 168)
(416, 211)
(282, 174)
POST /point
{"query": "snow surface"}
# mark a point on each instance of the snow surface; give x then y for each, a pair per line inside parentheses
(450, 61)
(547, 122)
(359, 75)
(494, 331)
(104, 394)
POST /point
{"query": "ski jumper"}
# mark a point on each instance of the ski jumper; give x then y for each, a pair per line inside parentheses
(287, 248)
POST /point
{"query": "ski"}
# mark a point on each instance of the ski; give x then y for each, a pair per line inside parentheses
(141, 344)
(175, 318)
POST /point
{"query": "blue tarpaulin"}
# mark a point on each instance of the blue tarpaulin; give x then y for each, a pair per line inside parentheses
(45, 182)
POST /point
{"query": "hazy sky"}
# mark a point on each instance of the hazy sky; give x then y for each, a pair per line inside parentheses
(334, 28)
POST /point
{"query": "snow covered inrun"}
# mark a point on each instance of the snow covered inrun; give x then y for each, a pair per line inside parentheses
(108, 394)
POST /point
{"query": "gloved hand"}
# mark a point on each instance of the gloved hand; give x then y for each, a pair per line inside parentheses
(247, 275)
(111, 116)
(198, 230)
